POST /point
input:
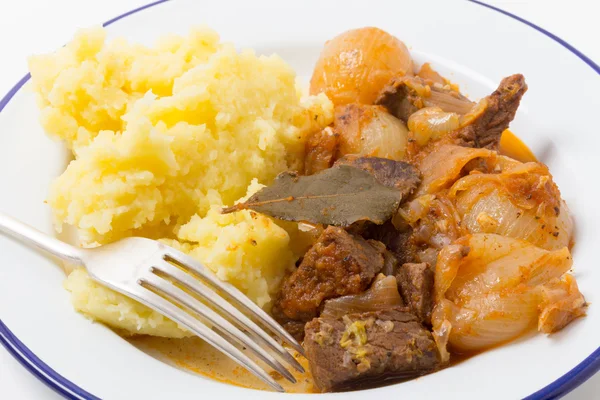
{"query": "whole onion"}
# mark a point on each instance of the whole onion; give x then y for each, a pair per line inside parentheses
(356, 65)
(370, 131)
(490, 289)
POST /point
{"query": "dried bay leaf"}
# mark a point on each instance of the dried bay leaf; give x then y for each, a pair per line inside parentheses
(337, 196)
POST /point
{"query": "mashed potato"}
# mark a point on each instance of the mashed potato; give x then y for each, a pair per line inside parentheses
(116, 310)
(247, 249)
(234, 118)
(162, 138)
(88, 85)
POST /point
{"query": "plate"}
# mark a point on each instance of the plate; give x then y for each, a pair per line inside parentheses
(475, 45)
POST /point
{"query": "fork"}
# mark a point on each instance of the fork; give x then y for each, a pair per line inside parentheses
(171, 283)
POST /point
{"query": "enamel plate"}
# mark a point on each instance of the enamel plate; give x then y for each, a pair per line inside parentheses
(472, 44)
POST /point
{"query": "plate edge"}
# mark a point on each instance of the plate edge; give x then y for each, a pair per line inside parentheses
(566, 383)
(9, 341)
(591, 364)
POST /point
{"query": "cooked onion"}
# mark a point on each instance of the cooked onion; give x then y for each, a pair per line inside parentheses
(451, 102)
(370, 131)
(492, 319)
(414, 210)
(429, 74)
(563, 302)
(356, 65)
(382, 295)
(521, 202)
(443, 166)
(489, 288)
(430, 123)
(390, 263)
(496, 263)
(441, 336)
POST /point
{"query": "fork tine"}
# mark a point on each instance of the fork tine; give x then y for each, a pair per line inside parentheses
(218, 321)
(196, 267)
(171, 311)
(197, 287)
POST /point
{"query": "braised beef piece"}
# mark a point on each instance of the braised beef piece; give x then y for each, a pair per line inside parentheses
(368, 347)
(487, 119)
(405, 95)
(399, 242)
(395, 174)
(338, 264)
(499, 110)
(294, 328)
(320, 149)
(415, 283)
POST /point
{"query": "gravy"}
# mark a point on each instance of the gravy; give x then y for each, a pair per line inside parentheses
(197, 356)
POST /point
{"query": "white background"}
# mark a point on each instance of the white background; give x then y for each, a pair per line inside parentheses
(34, 26)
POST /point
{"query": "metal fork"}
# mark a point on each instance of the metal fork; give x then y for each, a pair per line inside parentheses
(156, 275)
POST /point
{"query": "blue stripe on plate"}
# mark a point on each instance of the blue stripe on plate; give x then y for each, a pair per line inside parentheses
(552, 36)
(588, 367)
(15, 347)
(39, 368)
(69, 390)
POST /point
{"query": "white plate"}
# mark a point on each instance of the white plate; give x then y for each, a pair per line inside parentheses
(473, 44)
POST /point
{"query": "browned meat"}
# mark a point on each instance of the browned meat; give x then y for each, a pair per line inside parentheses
(368, 347)
(405, 95)
(482, 123)
(493, 114)
(294, 328)
(482, 127)
(397, 174)
(402, 98)
(415, 282)
(338, 264)
(399, 242)
(320, 150)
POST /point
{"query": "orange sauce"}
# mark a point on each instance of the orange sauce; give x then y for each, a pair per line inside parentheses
(513, 147)
(196, 356)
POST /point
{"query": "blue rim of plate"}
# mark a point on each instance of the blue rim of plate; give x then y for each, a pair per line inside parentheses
(69, 390)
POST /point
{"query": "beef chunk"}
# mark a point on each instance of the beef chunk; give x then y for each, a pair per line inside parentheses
(493, 114)
(368, 347)
(405, 95)
(401, 98)
(320, 150)
(399, 242)
(396, 174)
(338, 264)
(415, 282)
(295, 328)
(487, 119)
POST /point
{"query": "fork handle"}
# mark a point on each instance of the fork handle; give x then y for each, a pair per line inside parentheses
(31, 236)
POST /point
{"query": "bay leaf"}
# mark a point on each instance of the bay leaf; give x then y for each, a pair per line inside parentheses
(338, 196)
